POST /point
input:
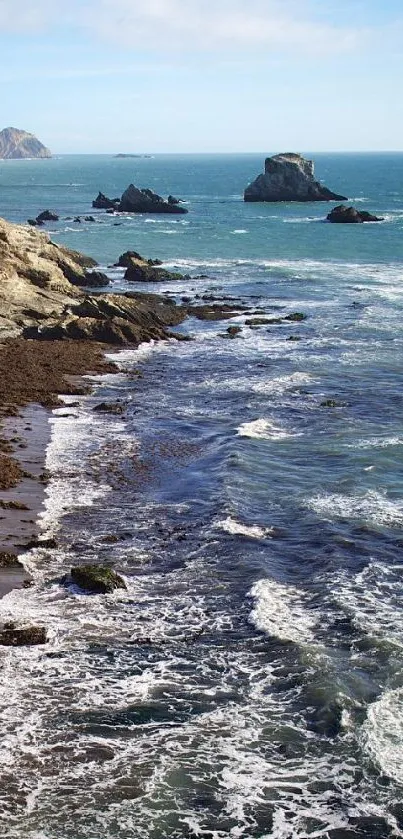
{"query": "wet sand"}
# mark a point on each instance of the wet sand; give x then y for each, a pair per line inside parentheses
(33, 372)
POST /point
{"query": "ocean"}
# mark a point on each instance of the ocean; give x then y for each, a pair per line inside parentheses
(249, 682)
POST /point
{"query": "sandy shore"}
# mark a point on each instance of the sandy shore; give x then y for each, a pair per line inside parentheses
(32, 373)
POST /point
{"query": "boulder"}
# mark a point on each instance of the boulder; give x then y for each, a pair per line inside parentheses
(172, 200)
(135, 200)
(141, 271)
(97, 579)
(29, 636)
(101, 202)
(47, 215)
(350, 215)
(125, 259)
(109, 408)
(289, 177)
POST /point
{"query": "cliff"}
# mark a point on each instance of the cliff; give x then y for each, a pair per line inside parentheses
(40, 297)
(289, 177)
(15, 143)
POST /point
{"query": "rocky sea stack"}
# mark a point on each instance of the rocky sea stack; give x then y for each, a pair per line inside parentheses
(289, 177)
(18, 144)
(135, 200)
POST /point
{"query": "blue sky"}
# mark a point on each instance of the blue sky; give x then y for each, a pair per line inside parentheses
(204, 75)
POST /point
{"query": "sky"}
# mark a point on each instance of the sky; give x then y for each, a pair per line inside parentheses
(183, 76)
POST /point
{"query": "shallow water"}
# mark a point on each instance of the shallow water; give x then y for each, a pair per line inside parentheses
(249, 682)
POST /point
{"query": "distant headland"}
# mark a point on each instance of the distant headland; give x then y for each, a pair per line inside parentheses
(17, 144)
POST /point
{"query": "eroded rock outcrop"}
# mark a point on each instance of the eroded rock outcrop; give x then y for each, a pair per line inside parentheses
(18, 144)
(40, 296)
(289, 177)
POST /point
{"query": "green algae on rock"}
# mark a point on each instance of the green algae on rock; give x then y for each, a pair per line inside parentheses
(97, 579)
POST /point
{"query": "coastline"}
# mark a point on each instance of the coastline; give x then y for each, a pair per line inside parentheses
(26, 431)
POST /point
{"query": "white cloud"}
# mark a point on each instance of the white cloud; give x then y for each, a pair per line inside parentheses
(212, 24)
(193, 25)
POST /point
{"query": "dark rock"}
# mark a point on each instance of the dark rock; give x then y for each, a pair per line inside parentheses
(109, 408)
(259, 321)
(9, 560)
(47, 215)
(101, 202)
(294, 338)
(42, 543)
(35, 223)
(350, 215)
(77, 220)
(94, 279)
(13, 505)
(331, 403)
(136, 200)
(172, 200)
(125, 259)
(89, 218)
(233, 331)
(12, 636)
(289, 177)
(295, 316)
(97, 578)
(213, 312)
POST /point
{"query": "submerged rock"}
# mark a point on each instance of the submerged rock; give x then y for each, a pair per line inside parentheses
(97, 579)
(350, 215)
(289, 177)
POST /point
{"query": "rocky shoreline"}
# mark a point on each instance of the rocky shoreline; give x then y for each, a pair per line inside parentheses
(52, 333)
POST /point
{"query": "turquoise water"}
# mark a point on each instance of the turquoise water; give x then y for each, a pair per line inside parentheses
(249, 683)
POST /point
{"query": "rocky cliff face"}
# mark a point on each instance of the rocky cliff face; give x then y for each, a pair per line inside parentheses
(15, 143)
(289, 177)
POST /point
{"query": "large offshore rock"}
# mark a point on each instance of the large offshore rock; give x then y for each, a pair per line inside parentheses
(289, 177)
(15, 143)
(136, 200)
